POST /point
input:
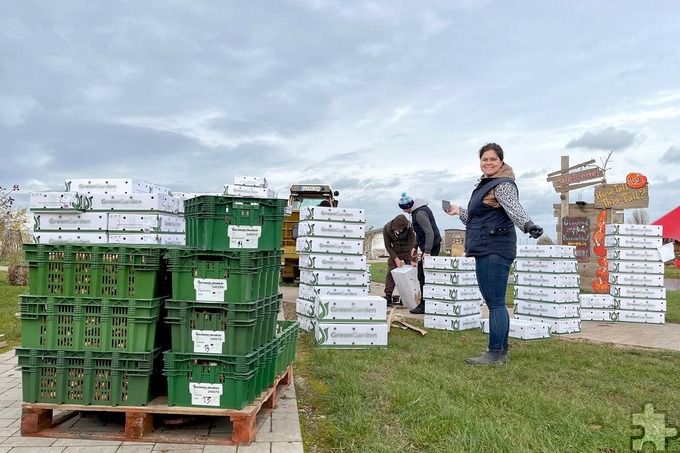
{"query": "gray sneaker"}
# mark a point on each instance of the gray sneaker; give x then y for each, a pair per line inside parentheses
(489, 358)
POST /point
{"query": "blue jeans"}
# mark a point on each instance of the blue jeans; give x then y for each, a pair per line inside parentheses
(492, 277)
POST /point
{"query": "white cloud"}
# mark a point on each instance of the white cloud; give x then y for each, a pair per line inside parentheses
(15, 109)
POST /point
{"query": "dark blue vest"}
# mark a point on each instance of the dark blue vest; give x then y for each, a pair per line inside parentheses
(489, 230)
(420, 233)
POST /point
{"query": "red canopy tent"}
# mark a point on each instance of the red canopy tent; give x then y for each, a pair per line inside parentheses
(670, 223)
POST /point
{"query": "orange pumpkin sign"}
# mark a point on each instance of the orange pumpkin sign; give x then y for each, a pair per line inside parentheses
(636, 180)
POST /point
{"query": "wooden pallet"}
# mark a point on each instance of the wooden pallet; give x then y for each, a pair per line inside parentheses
(37, 419)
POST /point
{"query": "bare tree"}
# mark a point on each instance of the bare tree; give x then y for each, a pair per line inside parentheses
(604, 167)
(544, 240)
(640, 217)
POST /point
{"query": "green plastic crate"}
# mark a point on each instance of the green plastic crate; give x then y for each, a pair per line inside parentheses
(225, 382)
(78, 377)
(235, 277)
(89, 324)
(207, 328)
(103, 270)
(287, 336)
(234, 223)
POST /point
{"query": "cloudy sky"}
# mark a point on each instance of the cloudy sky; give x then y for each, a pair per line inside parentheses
(375, 98)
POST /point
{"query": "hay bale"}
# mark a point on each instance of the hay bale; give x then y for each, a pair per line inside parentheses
(17, 275)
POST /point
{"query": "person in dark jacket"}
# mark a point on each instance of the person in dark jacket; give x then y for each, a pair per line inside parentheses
(399, 240)
(490, 219)
(428, 239)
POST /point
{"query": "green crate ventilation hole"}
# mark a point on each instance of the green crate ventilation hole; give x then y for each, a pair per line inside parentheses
(65, 325)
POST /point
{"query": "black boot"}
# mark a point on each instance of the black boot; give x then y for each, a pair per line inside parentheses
(488, 358)
(419, 310)
(388, 298)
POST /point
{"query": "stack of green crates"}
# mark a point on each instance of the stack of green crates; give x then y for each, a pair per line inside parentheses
(225, 301)
(90, 326)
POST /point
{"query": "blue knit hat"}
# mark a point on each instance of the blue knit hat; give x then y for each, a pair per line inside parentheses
(405, 202)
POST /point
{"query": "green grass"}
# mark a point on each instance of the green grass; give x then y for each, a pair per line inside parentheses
(556, 395)
(9, 301)
(379, 271)
(671, 272)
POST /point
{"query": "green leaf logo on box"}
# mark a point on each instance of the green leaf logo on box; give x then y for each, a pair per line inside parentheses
(457, 310)
(310, 229)
(614, 316)
(308, 246)
(453, 294)
(617, 304)
(454, 263)
(324, 310)
(36, 222)
(455, 325)
(454, 279)
(324, 336)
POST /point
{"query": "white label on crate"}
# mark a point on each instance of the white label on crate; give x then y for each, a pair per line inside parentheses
(205, 394)
(208, 341)
(210, 289)
(244, 237)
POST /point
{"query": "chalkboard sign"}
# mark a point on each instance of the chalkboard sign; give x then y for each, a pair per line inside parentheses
(576, 232)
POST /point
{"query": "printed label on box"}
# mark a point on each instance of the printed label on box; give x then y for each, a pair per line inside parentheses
(205, 394)
(244, 237)
(210, 289)
(208, 341)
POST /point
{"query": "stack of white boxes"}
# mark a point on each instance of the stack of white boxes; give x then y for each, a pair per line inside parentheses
(95, 211)
(598, 307)
(249, 186)
(547, 287)
(451, 295)
(333, 298)
(636, 272)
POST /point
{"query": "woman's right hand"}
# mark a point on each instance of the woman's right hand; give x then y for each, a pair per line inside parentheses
(453, 210)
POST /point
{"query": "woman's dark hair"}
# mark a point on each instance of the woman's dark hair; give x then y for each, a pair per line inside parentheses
(491, 147)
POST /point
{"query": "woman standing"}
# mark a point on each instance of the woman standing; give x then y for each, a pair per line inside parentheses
(490, 219)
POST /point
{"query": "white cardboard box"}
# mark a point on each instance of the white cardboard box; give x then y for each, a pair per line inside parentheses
(235, 190)
(309, 292)
(328, 245)
(637, 292)
(102, 185)
(452, 293)
(546, 265)
(440, 277)
(599, 314)
(630, 229)
(146, 223)
(350, 308)
(336, 262)
(449, 263)
(66, 237)
(557, 325)
(546, 251)
(616, 254)
(547, 280)
(315, 277)
(527, 307)
(70, 221)
(636, 279)
(253, 181)
(406, 283)
(605, 301)
(334, 214)
(306, 323)
(647, 317)
(542, 294)
(147, 238)
(135, 202)
(437, 307)
(641, 242)
(454, 323)
(524, 330)
(625, 303)
(316, 228)
(56, 201)
(639, 267)
(305, 307)
(351, 335)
